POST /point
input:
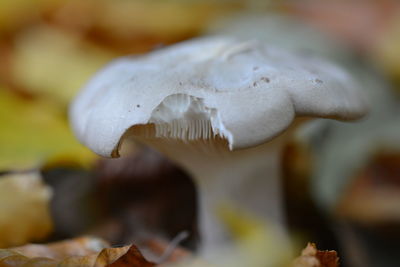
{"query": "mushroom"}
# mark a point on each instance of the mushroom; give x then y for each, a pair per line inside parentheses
(211, 105)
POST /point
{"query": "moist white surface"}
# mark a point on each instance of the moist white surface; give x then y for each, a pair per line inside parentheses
(249, 92)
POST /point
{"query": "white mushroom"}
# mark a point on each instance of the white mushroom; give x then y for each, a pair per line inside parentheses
(211, 105)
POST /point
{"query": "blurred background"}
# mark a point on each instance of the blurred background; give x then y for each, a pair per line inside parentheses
(341, 181)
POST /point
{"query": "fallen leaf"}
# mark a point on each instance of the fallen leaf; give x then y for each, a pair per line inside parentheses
(48, 61)
(80, 247)
(24, 209)
(132, 258)
(328, 258)
(156, 18)
(311, 257)
(14, 13)
(387, 53)
(110, 255)
(82, 252)
(34, 132)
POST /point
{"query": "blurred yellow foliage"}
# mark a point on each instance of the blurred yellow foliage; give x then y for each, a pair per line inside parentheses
(13, 12)
(24, 209)
(158, 18)
(388, 49)
(34, 132)
(51, 62)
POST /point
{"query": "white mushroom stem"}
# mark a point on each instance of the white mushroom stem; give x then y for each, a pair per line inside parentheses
(246, 180)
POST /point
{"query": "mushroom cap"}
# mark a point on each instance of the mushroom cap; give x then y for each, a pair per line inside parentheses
(248, 91)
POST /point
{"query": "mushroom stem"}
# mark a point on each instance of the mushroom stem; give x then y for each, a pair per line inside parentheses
(246, 182)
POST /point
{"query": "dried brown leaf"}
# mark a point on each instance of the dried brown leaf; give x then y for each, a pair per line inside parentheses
(133, 258)
(81, 246)
(328, 258)
(312, 257)
(110, 255)
(83, 252)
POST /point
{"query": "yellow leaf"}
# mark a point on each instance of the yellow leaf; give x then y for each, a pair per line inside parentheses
(14, 12)
(51, 62)
(34, 132)
(387, 52)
